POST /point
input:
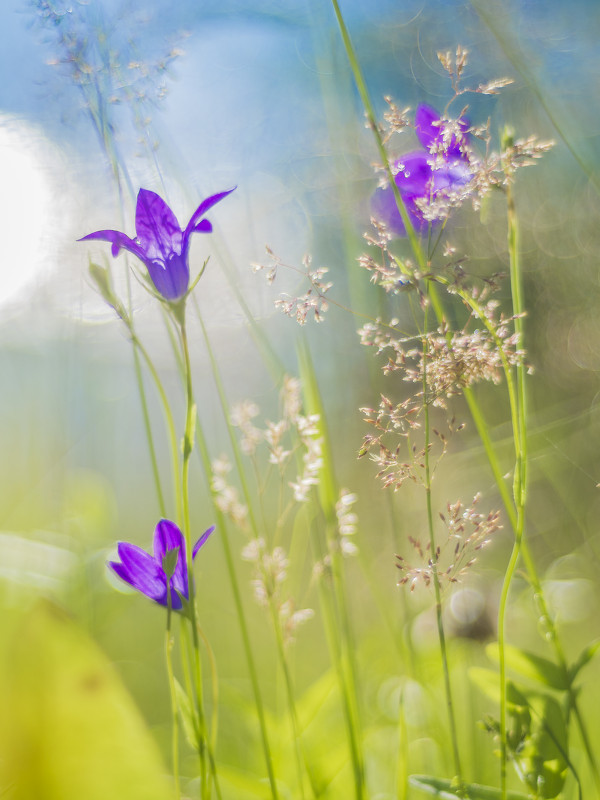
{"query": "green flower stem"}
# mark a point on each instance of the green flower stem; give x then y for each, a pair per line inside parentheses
(212, 740)
(538, 592)
(222, 526)
(519, 412)
(436, 577)
(256, 534)
(173, 695)
(202, 736)
(519, 431)
(170, 427)
(148, 429)
(188, 444)
(402, 770)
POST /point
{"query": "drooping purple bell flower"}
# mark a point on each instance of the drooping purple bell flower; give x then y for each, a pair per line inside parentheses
(146, 572)
(424, 175)
(160, 243)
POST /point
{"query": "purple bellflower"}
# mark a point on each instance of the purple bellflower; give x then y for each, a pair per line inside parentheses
(424, 175)
(146, 572)
(160, 243)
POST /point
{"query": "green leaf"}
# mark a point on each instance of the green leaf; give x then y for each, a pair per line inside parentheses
(586, 656)
(531, 666)
(447, 789)
(488, 682)
(552, 720)
(544, 755)
(71, 730)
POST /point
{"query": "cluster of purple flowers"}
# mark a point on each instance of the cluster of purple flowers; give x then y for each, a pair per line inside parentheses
(424, 176)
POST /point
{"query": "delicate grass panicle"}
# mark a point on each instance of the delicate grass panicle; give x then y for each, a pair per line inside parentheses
(270, 575)
(311, 303)
(467, 532)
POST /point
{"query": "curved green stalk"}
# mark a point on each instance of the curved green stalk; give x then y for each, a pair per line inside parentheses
(434, 570)
(148, 429)
(536, 584)
(170, 427)
(202, 736)
(222, 526)
(173, 695)
(239, 607)
(520, 477)
(188, 444)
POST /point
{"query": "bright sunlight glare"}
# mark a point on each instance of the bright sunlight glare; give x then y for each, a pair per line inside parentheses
(26, 206)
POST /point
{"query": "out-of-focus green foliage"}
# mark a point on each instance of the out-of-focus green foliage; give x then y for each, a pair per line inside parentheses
(74, 472)
(69, 727)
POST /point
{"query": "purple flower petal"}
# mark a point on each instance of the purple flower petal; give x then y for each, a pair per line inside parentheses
(414, 174)
(172, 278)
(204, 206)
(119, 240)
(384, 209)
(167, 536)
(143, 583)
(427, 132)
(414, 178)
(204, 226)
(141, 571)
(157, 229)
(430, 134)
(202, 540)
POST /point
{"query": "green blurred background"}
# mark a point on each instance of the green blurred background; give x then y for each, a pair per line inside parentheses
(197, 98)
